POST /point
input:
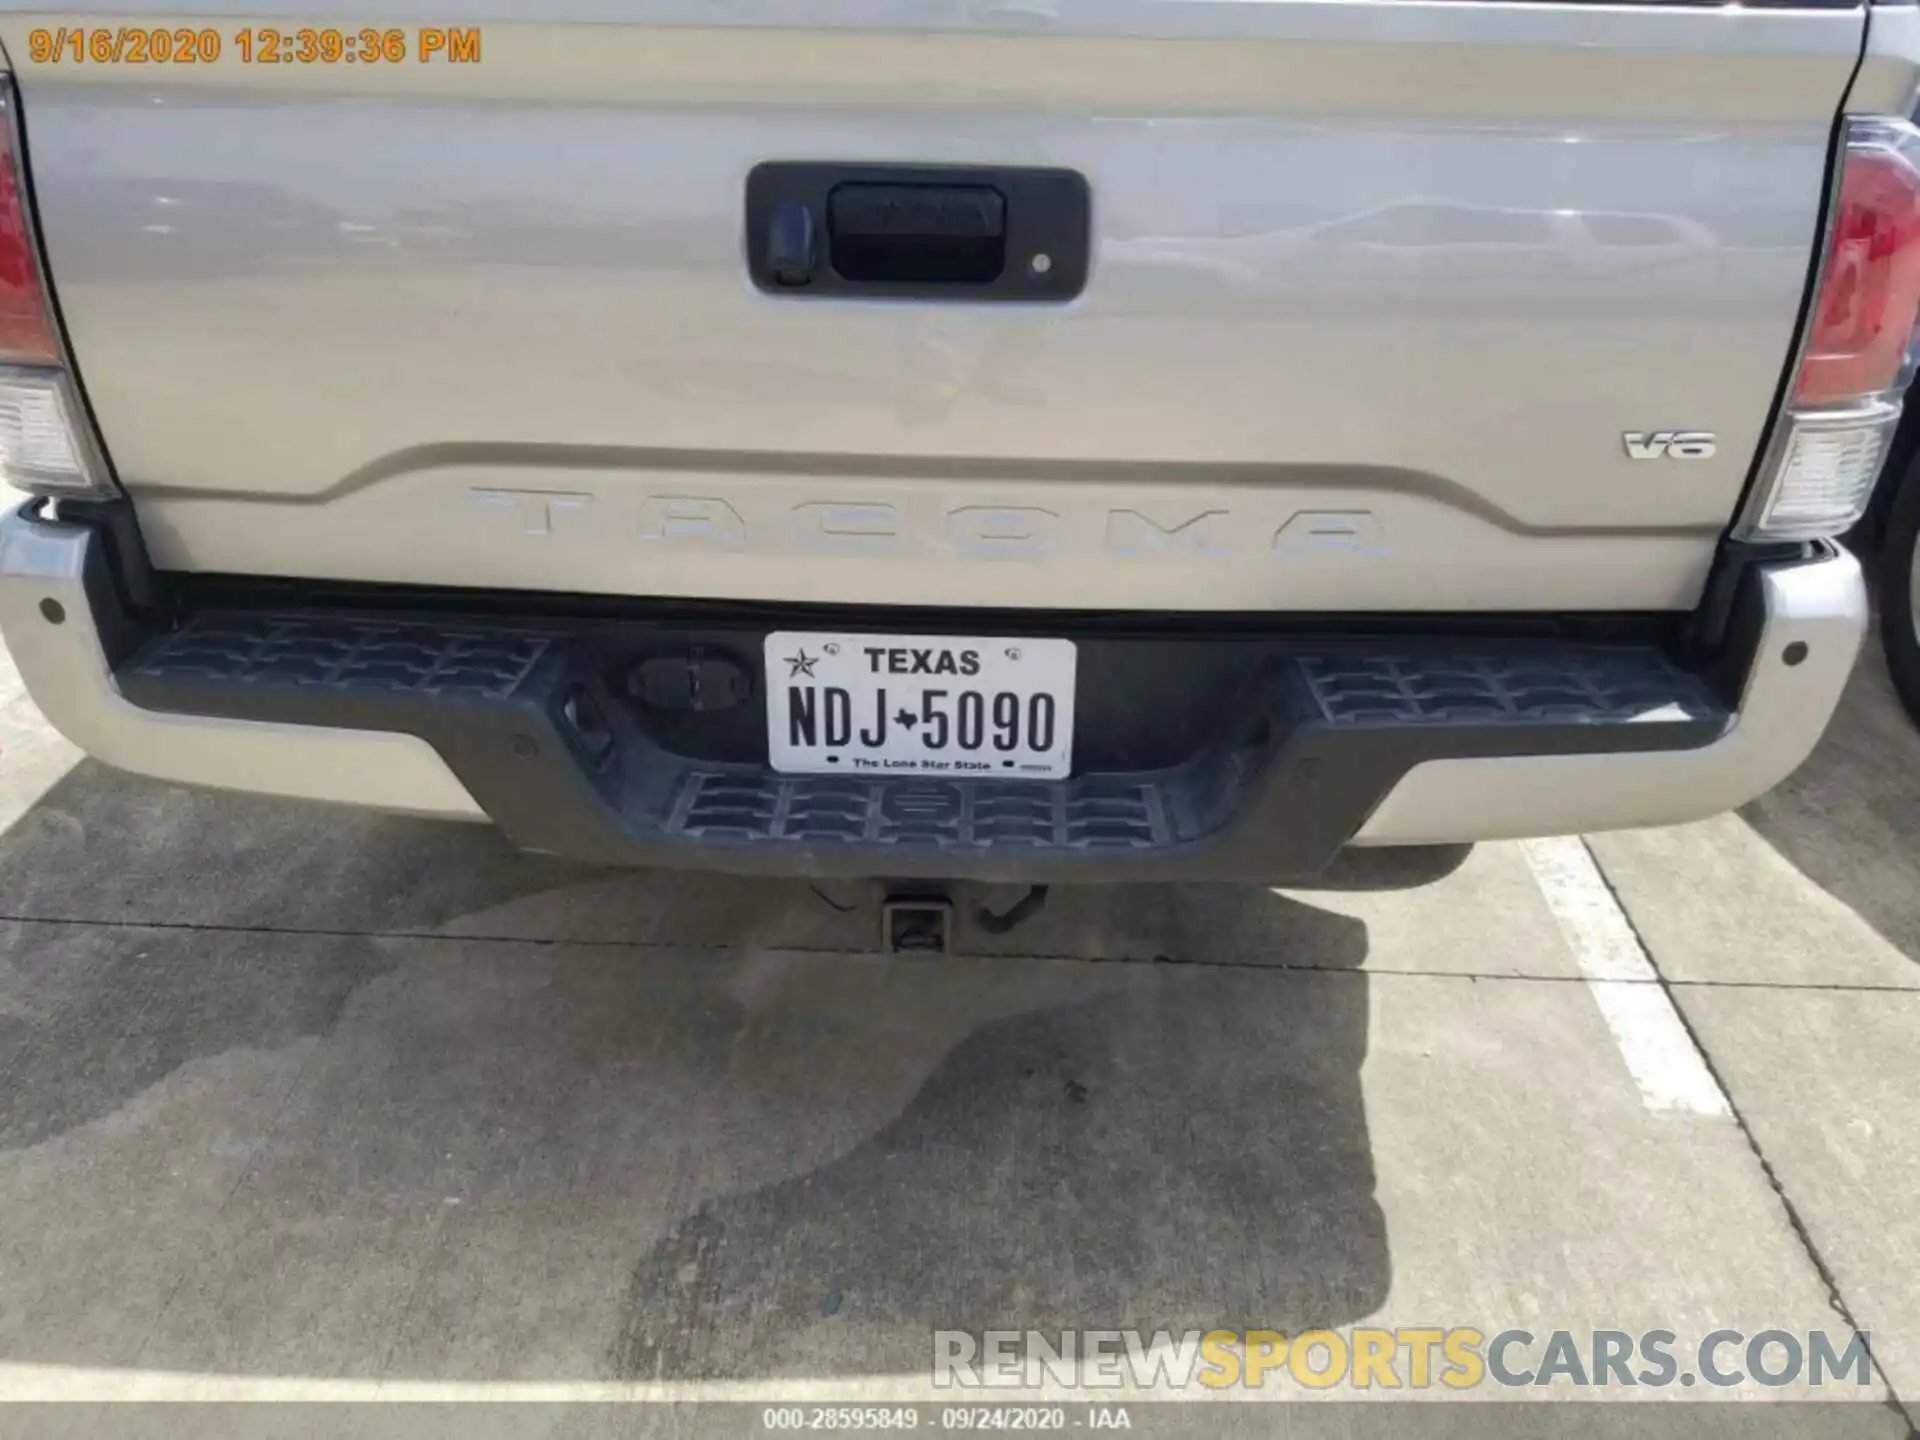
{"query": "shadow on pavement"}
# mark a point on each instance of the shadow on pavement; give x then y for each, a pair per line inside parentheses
(280, 1136)
(102, 845)
(1184, 1155)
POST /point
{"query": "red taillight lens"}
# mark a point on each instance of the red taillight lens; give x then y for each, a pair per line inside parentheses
(47, 444)
(1818, 471)
(1863, 313)
(26, 333)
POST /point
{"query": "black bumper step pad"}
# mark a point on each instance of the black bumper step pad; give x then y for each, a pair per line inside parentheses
(1321, 731)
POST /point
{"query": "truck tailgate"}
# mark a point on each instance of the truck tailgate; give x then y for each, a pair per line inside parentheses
(1375, 291)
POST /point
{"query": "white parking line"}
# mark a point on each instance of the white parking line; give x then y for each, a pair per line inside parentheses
(1660, 1054)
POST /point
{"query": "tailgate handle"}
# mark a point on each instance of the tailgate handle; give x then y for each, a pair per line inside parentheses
(918, 212)
(953, 232)
(917, 234)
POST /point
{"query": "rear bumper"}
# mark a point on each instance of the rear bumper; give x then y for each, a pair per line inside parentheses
(1782, 708)
(68, 670)
(1321, 743)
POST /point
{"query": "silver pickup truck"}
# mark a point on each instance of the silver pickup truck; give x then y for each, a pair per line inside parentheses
(1003, 439)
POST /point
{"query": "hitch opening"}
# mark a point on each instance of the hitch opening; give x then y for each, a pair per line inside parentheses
(917, 923)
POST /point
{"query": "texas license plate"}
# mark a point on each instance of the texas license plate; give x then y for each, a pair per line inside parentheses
(842, 704)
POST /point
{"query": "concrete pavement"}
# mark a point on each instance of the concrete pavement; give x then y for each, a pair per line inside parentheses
(1790, 937)
(302, 1101)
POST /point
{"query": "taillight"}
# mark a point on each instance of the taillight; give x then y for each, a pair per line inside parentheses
(1863, 312)
(46, 440)
(25, 332)
(1826, 450)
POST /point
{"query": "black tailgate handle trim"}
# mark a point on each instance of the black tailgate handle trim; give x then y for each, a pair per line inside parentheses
(949, 232)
